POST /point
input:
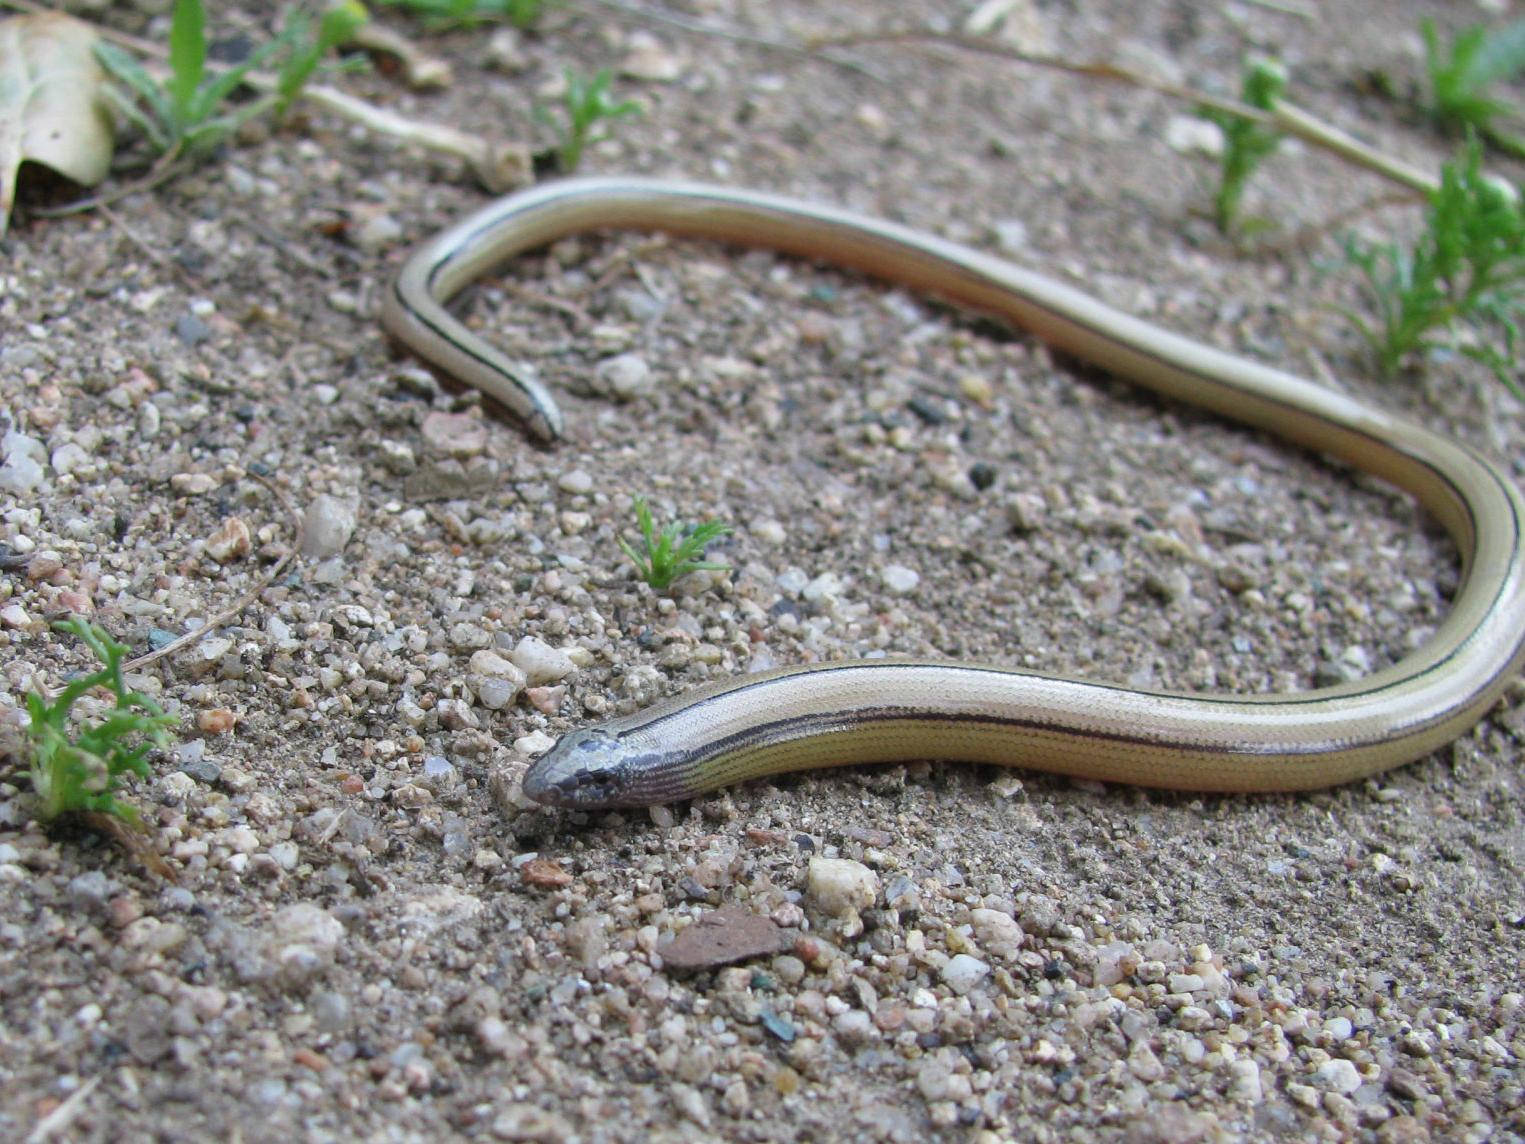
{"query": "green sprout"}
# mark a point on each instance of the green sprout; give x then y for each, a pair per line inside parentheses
(1468, 268)
(84, 774)
(675, 551)
(441, 14)
(586, 104)
(1461, 76)
(1246, 144)
(184, 115)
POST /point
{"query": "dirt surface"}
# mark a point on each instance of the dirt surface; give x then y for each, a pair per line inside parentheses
(373, 935)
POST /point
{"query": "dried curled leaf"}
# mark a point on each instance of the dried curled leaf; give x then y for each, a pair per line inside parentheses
(52, 110)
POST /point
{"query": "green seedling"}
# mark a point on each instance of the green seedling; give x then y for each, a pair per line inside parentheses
(587, 107)
(441, 14)
(85, 774)
(1246, 144)
(187, 113)
(1462, 74)
(673, 552)
(1466, 270)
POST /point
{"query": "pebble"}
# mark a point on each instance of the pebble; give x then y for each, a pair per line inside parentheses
(217, 721)
(1188, 134)
(327, 526)
(1337, 1075)
(825, 587)
(647, 58)
(998, 933)
(625, 376)
(839, 886)
(963, 972)
(1339, 1028)
(231, 541)
(540, 662)
(528, 1122)
(576, 482)
(544, 874)
(302, 939)
(1011, 236)
(71, 458)
(898, 579)
(192, 484)
(1244, 1081)
(723, 937)
(458, 435)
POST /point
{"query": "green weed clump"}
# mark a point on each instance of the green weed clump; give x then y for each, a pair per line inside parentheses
(84, 774)
(187, 113)
(587, 108)
(441, 14)
(674, 551)
(1246, 144)
(1465, 271)
(1462, 74)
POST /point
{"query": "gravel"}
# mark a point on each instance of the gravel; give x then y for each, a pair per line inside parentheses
(374, 935)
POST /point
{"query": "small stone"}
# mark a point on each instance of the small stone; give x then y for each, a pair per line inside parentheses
(192, 484)
(1245, 1084)
(14, 616)
(722, 937)
(626, 376)
(487, 662)
(540, 662)
(576, 482)
(230, 542)
(217, 721)
(327, 526)
(492, 692)
(651, 60)
(458, 435)
(899, 580)
(939, 1077)
(530, 1123)
(1011, 236)
(1188, 134)
(544, 874)
(147, 1030)
(376, 232)
(302, 939)
(1339, 1028)
(1026, 512)
(71, 458)
(20, 475)
(998, 933)
(963, 973)
(546, 700)
(838, 886)
(1337, 1075)
(397, 458)
(1115, 962)
(91, 890)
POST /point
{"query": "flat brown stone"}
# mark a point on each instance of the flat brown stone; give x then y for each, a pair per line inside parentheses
(724, 936)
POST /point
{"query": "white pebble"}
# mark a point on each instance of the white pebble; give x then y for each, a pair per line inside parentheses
(963, 973)
(540, 662)
(1187, 133)
(626, 376)
(577, 482)
(840, 885)
(899, 580)
(1337, 1075)
(327, 526)
(997, 933)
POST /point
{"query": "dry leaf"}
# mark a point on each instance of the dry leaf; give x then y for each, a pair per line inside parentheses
(51, 106)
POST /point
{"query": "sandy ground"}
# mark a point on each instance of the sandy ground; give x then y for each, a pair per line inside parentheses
(372, 935)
